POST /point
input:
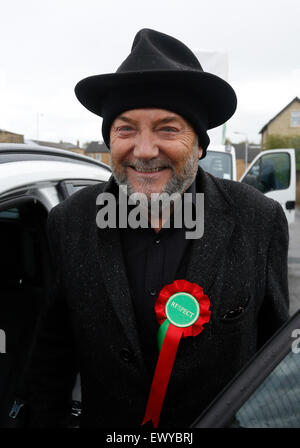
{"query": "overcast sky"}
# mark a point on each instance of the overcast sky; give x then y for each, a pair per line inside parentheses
(48, 46)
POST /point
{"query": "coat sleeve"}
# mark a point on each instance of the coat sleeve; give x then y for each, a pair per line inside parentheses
(52, 367)
(275, 307)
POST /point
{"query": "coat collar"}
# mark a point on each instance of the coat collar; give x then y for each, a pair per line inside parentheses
(204, 261)
(219, 221)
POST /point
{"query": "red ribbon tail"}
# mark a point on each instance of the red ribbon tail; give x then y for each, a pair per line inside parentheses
(162, 374)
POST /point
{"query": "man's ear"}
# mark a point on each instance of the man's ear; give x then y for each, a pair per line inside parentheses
(200, 151)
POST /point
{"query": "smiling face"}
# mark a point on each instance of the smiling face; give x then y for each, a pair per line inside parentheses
(153, 151)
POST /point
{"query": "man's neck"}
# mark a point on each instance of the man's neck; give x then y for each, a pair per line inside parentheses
(157, 223)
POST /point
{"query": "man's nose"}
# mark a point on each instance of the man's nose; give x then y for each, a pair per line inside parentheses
(145, 145)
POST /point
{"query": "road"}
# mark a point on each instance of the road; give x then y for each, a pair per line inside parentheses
(294, 264)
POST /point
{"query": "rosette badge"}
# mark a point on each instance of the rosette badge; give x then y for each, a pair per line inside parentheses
(181, 309)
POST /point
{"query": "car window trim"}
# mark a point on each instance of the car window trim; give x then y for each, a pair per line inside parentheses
(221, 411)
(18, 199)
(62, 185)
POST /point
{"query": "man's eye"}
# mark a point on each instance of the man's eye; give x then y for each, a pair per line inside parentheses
(125, 128)
(168, 129)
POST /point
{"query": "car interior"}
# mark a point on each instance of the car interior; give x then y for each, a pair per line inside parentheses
(26, 276)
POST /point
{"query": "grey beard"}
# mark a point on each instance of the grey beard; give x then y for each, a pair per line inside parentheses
(178, 183)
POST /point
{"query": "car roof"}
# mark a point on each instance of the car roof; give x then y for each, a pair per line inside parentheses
(25, 173)
(13, 152)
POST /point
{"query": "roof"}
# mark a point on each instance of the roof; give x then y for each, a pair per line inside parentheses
(9, 132)
(96, 147)
(60, 145)
(282, 110)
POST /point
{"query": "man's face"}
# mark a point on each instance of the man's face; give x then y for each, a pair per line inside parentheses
(153, 151)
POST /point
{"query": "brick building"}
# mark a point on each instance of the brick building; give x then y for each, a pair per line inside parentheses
(98, 151)
(62, 145)
(285, 123)
(10, 137)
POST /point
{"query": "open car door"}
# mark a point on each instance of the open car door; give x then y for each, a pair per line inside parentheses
(266, 392)
(273, 172)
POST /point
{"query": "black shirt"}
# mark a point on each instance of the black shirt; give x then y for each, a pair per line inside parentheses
(153, 260)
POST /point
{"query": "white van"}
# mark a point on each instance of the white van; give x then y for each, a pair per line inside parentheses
(220, 161)
(272, 172)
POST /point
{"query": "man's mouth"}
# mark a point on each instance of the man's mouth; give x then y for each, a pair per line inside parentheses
(148, 170)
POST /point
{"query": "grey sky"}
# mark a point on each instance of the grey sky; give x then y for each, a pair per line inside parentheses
(48, 46)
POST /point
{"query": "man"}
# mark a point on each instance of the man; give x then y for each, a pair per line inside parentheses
(100, 319)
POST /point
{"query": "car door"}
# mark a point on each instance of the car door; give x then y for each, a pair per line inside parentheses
(25, 267)
(273, 172)
(266, 392)
(26, 275)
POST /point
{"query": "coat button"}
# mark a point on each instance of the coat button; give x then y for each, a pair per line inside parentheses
(126, 354)
(153, 292)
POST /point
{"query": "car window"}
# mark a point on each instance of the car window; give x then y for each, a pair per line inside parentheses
(271, 172)
(12, 213)
(266, 391)
(218, 164)
(276, 403)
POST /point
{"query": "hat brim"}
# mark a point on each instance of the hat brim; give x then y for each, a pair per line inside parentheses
(216, 97)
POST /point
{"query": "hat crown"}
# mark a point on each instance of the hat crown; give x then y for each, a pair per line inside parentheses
(152, 50)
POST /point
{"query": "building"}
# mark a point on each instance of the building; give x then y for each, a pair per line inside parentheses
(99, 151)
(10, 137)
(285, 123)
(61, 145)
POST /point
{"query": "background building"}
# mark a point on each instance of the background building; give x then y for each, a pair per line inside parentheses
(10, 137)
(61, 145)
(286, 123)
(99, 151)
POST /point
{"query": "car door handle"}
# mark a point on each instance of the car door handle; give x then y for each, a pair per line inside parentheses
(290, 205)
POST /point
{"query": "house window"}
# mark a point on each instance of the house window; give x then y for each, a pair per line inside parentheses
(98, 157)
(295, 119)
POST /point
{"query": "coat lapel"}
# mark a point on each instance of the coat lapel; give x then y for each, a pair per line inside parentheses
(115, 278)
(207, 252)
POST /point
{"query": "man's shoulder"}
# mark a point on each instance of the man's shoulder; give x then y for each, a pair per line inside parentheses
(247, 200)
(81, 203)
(243, 193)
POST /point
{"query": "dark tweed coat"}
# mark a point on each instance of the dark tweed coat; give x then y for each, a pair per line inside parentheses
(89, 324)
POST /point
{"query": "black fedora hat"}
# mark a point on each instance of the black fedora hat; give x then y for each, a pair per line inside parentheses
(160, 72)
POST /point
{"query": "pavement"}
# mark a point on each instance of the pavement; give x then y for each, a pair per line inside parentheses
(294, 264)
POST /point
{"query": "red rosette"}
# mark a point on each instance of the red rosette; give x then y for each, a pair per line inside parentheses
(171, 340)
(197, 292)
